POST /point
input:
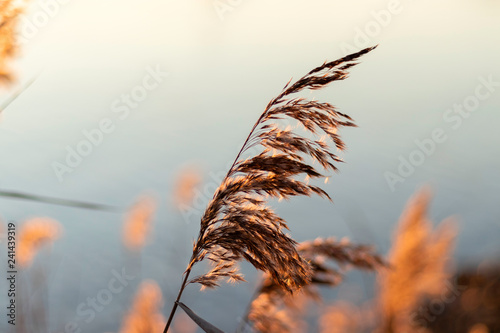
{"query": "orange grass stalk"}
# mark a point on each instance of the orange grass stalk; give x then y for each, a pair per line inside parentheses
(419, 260)
(138, 223)
(188, 179)
(33, 234)
(145, 316)
(238, 224)
(275, 310)
(9, 15)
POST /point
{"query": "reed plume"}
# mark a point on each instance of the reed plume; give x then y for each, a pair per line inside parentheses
(145, 317)
(420, 265)
(9, 14)
(138, 223)
(276, 310)
(238, 224)
(188, 179)
(33, 234)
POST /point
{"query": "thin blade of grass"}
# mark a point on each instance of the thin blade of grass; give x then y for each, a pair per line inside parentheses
(18, 93)
(204, 325)
(56, 201)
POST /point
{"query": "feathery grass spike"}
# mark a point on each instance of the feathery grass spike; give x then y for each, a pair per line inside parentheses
(420, 260)
(237, 224)
(274, 310)
(10, 14)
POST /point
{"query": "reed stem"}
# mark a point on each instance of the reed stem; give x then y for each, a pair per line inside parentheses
(174, 308)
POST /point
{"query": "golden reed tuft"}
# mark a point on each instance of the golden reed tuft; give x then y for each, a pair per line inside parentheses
(237, 223)
(138, 223)
(33, 234)
(145, 315)
(188, 179)
(9, 14)
(275, 310)
(419, 260)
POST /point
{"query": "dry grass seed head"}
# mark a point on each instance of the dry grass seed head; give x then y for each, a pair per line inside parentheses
(145, 315)
(419, 260)
(33, 234)
(138, 223)
(9, 17)
(273, 304)
(185, 184)
(237, 224)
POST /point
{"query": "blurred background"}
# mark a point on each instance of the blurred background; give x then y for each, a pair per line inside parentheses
(175, 87)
